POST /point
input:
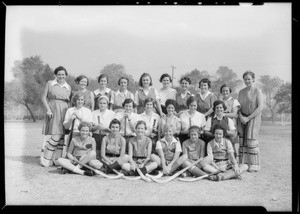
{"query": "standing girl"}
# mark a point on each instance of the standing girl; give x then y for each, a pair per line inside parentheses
(102, 90)
(166, 92)
(56, 98)
(184, 94)
(146, 91)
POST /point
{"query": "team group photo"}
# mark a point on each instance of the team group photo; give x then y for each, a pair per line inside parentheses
(193, 127)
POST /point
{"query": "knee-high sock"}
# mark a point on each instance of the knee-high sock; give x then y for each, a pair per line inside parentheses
(253, 152)
(46, 159)
(174, 167)
(58, 151)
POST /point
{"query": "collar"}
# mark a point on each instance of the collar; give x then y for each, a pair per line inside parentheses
(215, 116)
(142, 89)
(173, 140)
(188, 92)
(65, 85)
(217, 144)
(119, 92)
(97, 91)
(205, 95)
(230, 98)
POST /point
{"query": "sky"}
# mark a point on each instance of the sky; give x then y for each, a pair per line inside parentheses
(151, 39)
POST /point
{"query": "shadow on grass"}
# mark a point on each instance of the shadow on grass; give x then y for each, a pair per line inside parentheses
(33, 160)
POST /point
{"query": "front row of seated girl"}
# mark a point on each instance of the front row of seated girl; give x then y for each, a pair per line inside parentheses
(220, 153)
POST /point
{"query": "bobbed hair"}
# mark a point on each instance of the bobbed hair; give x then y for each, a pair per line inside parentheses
(223, 86)
(79, 78)
(128, 100)
(141, 79)
(205, 80)
(103, 76)
(60, 68)
(123, 78)
(165, 75)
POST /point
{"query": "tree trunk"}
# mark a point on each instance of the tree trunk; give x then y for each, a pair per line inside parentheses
(272, 113)
(31, 114)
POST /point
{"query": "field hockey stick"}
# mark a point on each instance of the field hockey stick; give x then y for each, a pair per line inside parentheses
(176, 174)
(159, 175)
(66, 144)
(99, 123)
(198, 178)
(97, 171)
(244, 141)
(147, 179)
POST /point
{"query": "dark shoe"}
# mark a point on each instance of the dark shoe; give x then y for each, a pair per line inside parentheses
(154, 172)
(89, 172)
(214, 178)
(64, 171)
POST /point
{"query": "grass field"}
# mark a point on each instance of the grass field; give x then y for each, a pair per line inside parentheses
(25, 178)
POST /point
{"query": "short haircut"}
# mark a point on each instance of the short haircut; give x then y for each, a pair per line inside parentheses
(205, 80)
(115, 121)
(141, 122)
(219, 126)
(186, 79)
(223, 86)
(76, 97)
(171, 102)
(249, 73)
(218, 102)
(165, 75)
(190, 100)
(85, 124)
(148, 100)
(79, 78)
(141, 79)
(103, 76)
(192, 128)
(60, 68)
(128, 100)
(123, 78)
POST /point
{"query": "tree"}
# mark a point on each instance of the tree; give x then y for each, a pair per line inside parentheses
(225, 75)
(31, 76)
(195, 77)
(269, 87)
(114, 72)
(283, 98)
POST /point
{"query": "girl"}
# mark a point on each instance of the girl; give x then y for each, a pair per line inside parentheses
(184, 94)
(139, 150)
(122, 94)
(82, 148)
(194, 149)
(205, 98)
(171, 120)
(152, 120)
(166, 92)
(102, 90)
(190, 118)
(113, 148)
(146, 91)
(101, 120)
(83, 82)
(168, 149)
(56, 98)
(221, 151)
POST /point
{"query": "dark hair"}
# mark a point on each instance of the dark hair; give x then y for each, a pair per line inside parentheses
(219, 126)
(165, 75)
(223, 86)
(145, 75)
(186, 79)
(148, 100)
(171, 102)
(197, 128)
(218, 102)
(103, 76)
(190, 100)
(79, 78)
(141, 122)
(76, 97)
(85, 124)
(115, 121)
(249, 73)
(205, 80)
(128, 100)
(123, 78)
(60, 68)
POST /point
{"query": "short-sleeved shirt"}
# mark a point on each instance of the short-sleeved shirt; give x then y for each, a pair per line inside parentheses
(151, 121)
(105, 118)
(140, 148)
(167, 94)
(119, 97)
(193, 150)
(81, 147)
(83, 112)
(230, 124)
(219, 150)
(169, 149)
(135, 118)
(113, 144)
(187, 120)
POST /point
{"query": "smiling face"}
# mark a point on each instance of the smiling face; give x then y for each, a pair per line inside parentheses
(80, 102)
(203, 87)
(146, 81)
(60, 76)
(115, 128)
(84, 132)
(225, 92)
(149, 106)
(103, 82)
(83, 83)
(168, 133)
(123, 84)
(170, 109)
(218, 135)
(166, 82)
(185, 85)
(102, 104)
(219, 109)
(128, 107)
(248, 80)
(140, 130)
(193, 106)
(194, 135)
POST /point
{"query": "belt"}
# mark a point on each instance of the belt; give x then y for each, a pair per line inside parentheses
(245, 115)
(218, 160)
(112, 155)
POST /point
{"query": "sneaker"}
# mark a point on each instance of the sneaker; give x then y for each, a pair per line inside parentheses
(45, 163)
(183, 175)
(254, 168)
(88, 172)
(214, 178)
